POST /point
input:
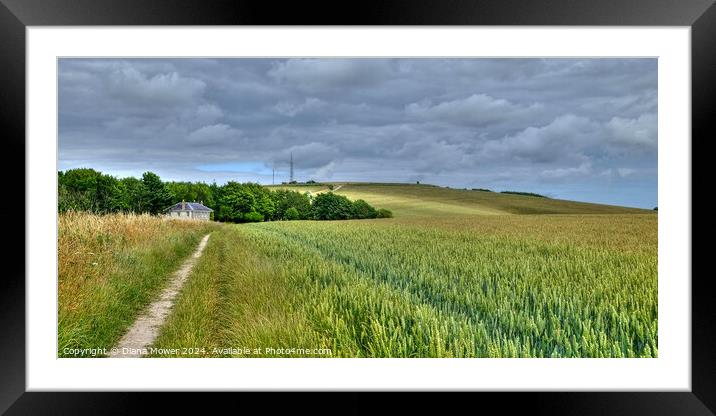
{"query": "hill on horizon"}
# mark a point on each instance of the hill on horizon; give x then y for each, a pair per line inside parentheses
(428, 200)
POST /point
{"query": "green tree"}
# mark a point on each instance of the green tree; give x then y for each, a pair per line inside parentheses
(253, 216)
(285, 199)
(89, 190)
(264, 204)
(181, 191)
(191, 191)
(132, 194)
(292, 214)
(77, 190)
(330, 206)
(72, 200)
(108, 194)
(236, 200)
(82, 179)
(155, 195)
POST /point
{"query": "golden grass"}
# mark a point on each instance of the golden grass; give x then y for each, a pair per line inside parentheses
(110, 266)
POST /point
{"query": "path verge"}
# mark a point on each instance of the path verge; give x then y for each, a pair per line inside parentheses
(146, 328)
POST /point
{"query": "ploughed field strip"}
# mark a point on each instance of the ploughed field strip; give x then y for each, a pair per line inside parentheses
(145, 329)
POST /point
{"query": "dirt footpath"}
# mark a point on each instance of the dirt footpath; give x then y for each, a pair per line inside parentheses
(146, 328)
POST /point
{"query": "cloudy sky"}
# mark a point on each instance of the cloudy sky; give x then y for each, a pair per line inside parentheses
(582, 129)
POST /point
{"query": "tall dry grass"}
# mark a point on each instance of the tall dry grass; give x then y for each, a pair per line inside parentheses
(110, 267)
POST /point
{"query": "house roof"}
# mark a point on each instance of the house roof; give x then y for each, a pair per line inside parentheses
(189, 206)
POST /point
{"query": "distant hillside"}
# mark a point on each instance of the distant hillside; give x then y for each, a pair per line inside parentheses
(422, 200)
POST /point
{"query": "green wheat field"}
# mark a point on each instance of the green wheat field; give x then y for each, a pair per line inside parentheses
(455, 273)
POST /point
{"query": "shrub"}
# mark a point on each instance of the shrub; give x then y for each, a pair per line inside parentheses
(291, 214)
(363, 210)
(330, 187)
(384, 213)
(330, 206)
(253, 216)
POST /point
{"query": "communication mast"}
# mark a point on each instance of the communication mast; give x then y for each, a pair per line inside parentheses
(291, 180)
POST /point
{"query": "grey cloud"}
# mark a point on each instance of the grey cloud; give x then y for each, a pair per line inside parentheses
(291, 109)
(571, 137)
(512, 123)
(584, 168)
(638, 132)
(624, 172)
(475, 110)
(213, 135)
(206, 113)
(168, 89)
(321, 75)
(311, 155)
(564, 138)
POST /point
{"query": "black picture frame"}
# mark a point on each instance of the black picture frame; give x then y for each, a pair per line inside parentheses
(16, 15)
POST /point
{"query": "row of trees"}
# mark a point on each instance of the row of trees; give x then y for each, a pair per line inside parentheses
(90, 190)
(250, 202)
(330, 206)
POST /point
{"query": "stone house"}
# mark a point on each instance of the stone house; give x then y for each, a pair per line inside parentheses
(189, 211)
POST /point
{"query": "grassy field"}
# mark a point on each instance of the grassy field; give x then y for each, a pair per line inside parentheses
(110, 267)
(429, 200)
(455, 274)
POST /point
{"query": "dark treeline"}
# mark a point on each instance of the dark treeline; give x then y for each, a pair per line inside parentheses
(523, 193)
(93, 191)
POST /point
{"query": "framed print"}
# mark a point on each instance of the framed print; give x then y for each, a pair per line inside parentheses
(433, 198)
